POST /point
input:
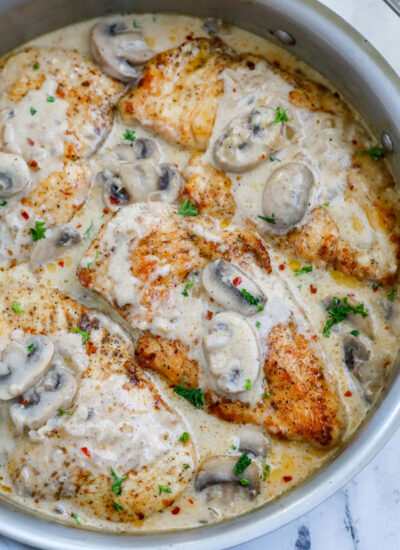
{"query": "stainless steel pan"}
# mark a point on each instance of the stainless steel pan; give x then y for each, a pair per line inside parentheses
(327, 43)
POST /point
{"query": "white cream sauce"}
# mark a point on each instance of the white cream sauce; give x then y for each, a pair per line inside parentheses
(319, 141)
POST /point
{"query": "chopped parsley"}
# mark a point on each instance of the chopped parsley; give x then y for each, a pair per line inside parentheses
(354, 333)
(233, 447)
(375, 153)
(184, 437)
(188, 209)
(281, 115)
(194, 396)
(31, 347)
(269, 220)
(76, 518)
(253, 301)
(86, 235)
(241, 464)
(38, 232)
(16, 308)
(116, 487)
(94, 259)
(85, 335)
(129, 135)
(244, 481)
(377, 285)
(326, 203)
(392, 295)
(136, 24)
(272, 159)
(117, 507)
(266, 395)
(258, 324)
(188, 285)
(248, 384)
(33, 111)
(3, 203)
(163, 489)
(63, 411)
(186, 466)
(339, 311)
(266, 468)
(50, 99)
(35, 66)
(302, 270)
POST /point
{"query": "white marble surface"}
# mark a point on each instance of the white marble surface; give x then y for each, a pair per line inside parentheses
(365, 515)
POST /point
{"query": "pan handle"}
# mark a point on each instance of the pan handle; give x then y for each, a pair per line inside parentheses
(395, 5)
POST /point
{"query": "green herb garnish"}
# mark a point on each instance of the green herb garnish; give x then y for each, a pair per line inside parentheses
(188, 285)
(266, 395)
(116, 487)
(38, 232)
(194, 396)
(16, 308)
(302, 270)
(86, 235)
(35, 66)
(136, 24)
(76, 518)
(272, 159)
(50, 99)
(31, 347)
(94, 259)
(258, 324)
(3, 203)
(188, 209)
(269, 220)
(117, 507)
(326, 203)
(162, 489)
(129, 135)
(266, 468)
(241, 464)
(184, 437)
(248, 384)
(186, 466)
(354, 333)
(244, 481)
(33, 111)
(392, 295)
(253, 301)
(63, 411)
(339, 311)
(375, 153)
(281, 115)
(85, 335)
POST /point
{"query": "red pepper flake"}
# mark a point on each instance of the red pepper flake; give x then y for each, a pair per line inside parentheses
(351, 187)
(86, 452)
(36, 500)
(30, 141)
(354, 141)
(375, 289)
(282, 267)
(209, 315)
(313, 290)
(287, 479)
(61, 263)
(263, 156)
(34, 164)
(212, 299)
(105, 211)
(234, 90)
(175, 510)
(237, 281)
(24, 401)
(190, 501)
(25, 215)
(113, 200)
(79, 226)
(348, 393)
(386, 328)
(54, 431)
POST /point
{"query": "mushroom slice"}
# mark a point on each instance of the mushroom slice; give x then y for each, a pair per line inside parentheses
(286, 195)
(115, 193)
(55, 391)
(368, 372)
(391, 312)
(58, 239)
(353, 320)
(249, 139)
(21, 366)
(14, 175)
(218, 470)
(117, 50)
(140, 149)
(232, 352)
(231, 288)
(168, 183)
(253, 442)
(145, 180)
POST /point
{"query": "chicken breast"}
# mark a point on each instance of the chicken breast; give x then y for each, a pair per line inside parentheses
(56, 107)
(161, 271)
(178, 94)
(113, 447)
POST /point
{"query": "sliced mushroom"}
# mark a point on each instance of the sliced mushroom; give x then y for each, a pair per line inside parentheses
(58, 239)
(249, 139)
(216, 26)
(286, 195)
(354, 320)
(21, 366)
(253, 442)
(232, 352)
(14, 175)
(368, 372)
(230, 287)
(140, 149)
(115, 193)
(391, 311)
(118, 50)
(168, 183)
(219, 470)
(55, 391)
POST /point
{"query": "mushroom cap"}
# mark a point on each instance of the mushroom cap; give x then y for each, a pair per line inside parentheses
(14, 175)
(55, 391)
(21, 366)
(219, 470)
(114, 192)
(286, 195)
(140, 149)
(58, 239)
(218, 277)
(248, 140)
(252, 441)
(118, 49)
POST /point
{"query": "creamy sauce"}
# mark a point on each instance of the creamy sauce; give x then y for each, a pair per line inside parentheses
(320, 142)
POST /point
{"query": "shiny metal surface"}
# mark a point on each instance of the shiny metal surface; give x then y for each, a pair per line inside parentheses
(395, 5)
(324, 41)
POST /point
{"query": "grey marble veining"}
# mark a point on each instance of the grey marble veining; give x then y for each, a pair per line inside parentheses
(364, 515)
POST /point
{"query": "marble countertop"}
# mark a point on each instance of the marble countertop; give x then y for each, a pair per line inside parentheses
(365, 514)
